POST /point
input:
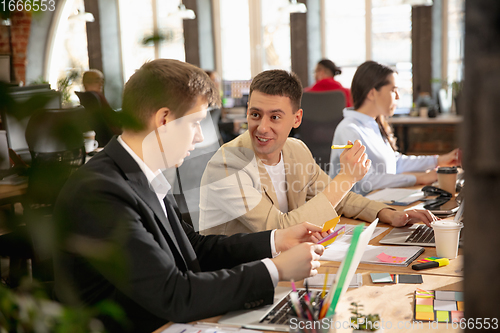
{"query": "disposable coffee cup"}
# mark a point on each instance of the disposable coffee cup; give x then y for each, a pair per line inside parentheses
(90, 142)
(446, 235)
(447, 178)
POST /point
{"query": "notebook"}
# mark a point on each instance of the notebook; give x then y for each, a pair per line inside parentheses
(264, 318)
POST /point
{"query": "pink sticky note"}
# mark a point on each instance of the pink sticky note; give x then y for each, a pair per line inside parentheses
(392, 259)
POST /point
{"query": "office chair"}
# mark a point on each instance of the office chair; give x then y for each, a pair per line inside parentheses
(322, 114)
(99, 116)
(56, 145)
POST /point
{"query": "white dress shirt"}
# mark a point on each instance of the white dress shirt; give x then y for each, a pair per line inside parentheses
(161, 186)
(387, 165)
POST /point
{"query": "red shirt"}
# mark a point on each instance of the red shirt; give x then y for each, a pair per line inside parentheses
(330, 84)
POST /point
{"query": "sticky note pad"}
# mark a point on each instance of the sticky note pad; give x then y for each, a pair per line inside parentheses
(424, 308)
(442, 316)
(460, 306)
(424, 316)
(445, 305)
(381, 277)
(459, 296)
(384, 257)
(403, 278)
(445, 295)
(424, 301)
(456, 316)
(330, 224)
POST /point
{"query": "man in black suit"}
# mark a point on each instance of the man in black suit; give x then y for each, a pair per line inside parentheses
(124, 239)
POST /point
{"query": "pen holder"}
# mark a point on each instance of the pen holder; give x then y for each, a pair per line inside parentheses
(302, 325)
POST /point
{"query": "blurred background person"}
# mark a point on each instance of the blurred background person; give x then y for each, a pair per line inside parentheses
(324, 74)
(101, 118)
(375, 95)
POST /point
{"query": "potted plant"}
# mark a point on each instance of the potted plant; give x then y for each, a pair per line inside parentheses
(362, 322)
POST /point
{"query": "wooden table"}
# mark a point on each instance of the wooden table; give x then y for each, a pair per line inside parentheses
(433, 135)
(393, 302)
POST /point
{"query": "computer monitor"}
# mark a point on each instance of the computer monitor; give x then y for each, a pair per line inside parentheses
(34, 97)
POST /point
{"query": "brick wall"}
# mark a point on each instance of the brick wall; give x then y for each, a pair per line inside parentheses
(20, 32)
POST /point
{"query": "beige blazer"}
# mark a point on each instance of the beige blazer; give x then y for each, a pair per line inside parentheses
(237, 194)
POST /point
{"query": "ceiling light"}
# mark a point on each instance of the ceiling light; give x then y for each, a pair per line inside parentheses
(294, 7)
(418, 2)
(183, 13)
(81, 15)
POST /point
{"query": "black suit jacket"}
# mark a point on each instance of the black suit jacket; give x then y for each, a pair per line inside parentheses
(119, 245)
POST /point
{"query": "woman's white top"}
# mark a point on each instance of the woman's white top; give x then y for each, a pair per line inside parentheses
(387, 165)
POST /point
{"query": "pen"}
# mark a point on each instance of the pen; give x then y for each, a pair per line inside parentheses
(293, 285)
(341, 147)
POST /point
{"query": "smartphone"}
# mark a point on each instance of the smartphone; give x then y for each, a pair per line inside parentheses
(448, 207)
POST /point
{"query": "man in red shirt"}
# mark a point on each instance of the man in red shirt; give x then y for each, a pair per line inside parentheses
(324, 74)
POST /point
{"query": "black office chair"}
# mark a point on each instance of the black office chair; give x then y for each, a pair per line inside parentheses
(322, 114)
(57, 149)
(99, 116)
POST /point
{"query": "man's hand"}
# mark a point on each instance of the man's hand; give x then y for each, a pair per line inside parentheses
(299, 262)
(354, 162)
(400, 219)
(285, 239)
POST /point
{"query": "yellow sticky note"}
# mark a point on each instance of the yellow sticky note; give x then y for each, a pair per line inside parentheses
(331, 224)
(424, 316)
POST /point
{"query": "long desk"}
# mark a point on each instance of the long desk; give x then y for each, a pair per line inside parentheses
(393, 302)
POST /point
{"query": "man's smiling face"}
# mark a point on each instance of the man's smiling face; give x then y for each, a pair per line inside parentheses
(270, 120)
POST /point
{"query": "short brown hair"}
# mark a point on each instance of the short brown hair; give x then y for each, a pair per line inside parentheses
(278, 82)
(166, 83)
(92, 76)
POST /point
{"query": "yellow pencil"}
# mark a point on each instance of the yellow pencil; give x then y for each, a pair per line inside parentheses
(341, 147)
(324, 285)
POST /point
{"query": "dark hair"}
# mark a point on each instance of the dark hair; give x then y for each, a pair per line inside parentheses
(369, 75)
(278, 82)
(166, 83)
(330, 66)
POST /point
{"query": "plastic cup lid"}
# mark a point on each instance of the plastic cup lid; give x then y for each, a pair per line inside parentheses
(447, 224)
(447, 170)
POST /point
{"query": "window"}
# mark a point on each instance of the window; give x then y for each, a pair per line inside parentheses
(388, 42)
(391, 43)
(455, 40)
(345, 36)
(276, 35)
(235, 40)
(137, 25)
(172, 29)
(69, 53)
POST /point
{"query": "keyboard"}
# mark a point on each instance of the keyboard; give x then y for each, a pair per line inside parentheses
(423, 234)
(283, 311)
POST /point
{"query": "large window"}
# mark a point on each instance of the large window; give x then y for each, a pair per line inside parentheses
(235, 40)
(276, 35)
(345, 36)
(455, 40)
(69, 55)
(391, 43)
(388, 40)
(138, 33)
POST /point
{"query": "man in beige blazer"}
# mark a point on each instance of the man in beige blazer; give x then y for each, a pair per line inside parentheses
(265, 180)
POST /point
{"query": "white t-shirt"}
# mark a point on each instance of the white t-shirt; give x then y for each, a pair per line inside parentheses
(277, 174)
